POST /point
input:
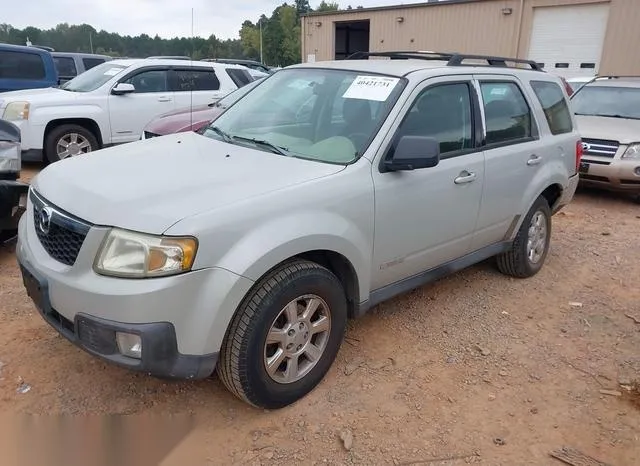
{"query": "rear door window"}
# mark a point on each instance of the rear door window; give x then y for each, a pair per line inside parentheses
(239, 77)
(21, 65)
(66, 66)
(507, 114)
(186, 80)
(556, 109)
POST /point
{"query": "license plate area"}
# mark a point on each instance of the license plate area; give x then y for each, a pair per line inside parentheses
(34, 288)
(584, 167)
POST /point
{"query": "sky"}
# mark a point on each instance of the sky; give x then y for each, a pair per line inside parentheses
(167, 18)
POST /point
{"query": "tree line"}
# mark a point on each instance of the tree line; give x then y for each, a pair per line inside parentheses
(280, 38)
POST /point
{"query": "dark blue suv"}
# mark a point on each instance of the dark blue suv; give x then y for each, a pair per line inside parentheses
(24, 67)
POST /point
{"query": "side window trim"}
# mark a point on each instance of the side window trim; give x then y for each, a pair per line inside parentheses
(535, 132)
(476, 120)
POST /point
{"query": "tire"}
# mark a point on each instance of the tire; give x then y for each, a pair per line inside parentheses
(245, 354)
(516, 262)
(69, 134)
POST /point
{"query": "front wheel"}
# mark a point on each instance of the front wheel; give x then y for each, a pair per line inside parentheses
(69, 141)
(285, 335)
(530, 248)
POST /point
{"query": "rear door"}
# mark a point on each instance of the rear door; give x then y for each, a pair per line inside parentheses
(513, 155)
(195, 86)
(130, 113)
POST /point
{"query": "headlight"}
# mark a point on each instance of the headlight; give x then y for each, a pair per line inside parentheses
(632, 152)
(136, 255)
(9, 157)
(16, 111)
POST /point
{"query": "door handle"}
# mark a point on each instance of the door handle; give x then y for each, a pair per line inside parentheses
(534, 160)
(164, 99)
(465, 177)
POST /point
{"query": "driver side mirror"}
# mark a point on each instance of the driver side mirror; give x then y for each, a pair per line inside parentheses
(123, 88)
(414, 152)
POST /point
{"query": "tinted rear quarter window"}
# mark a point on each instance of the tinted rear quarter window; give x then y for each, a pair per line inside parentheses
(65, 66)
(196, 80)
(91, 62)
(556, 109)
(21, 65)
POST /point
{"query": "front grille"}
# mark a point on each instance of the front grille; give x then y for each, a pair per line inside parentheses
(60, 233)
(600, 147)
(585, 177)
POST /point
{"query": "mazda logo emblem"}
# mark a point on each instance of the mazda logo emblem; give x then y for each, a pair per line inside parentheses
(44, 220)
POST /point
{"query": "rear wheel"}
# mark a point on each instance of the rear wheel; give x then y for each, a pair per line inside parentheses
(285, 335)
(69, 141)
(530, 248)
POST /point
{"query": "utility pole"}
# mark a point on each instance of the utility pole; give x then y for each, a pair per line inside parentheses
(260, 23)
(90, 41)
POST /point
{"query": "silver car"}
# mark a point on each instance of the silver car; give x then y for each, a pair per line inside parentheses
(247, 247)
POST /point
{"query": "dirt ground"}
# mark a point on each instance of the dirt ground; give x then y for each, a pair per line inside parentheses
(478, 368)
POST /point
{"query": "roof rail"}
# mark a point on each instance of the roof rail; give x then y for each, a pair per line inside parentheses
(452, 59)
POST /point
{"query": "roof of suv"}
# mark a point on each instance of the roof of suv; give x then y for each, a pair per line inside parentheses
(171, 62)
(626, 81)
(403, 63)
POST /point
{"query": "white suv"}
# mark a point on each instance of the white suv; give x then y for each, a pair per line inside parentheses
(325, 190)
(111, 103)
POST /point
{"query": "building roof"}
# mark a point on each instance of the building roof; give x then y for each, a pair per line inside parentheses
(388, 7)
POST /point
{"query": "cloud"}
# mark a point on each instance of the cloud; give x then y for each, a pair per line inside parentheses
(167, 18)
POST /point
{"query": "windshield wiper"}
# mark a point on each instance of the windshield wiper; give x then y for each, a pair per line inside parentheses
(226, 137)
(262, 142)
(618, 116)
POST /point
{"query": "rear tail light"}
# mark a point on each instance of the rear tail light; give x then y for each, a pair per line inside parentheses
(567, 87)
(579, 152)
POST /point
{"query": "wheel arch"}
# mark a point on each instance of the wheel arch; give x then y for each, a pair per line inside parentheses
(87, 123)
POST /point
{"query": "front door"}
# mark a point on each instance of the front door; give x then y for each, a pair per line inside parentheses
(130, 113)
(425, 218)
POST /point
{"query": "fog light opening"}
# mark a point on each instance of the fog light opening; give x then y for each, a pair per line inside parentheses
(129, 344)
(637, 171)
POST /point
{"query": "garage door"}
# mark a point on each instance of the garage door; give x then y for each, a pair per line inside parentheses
(568, 39)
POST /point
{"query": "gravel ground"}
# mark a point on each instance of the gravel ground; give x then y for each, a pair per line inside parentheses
(478, 367)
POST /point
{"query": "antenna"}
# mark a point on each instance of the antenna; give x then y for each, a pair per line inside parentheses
(192, 79)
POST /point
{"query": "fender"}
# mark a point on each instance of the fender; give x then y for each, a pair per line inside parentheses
(554, 172)
(281, 238)
(42, 116)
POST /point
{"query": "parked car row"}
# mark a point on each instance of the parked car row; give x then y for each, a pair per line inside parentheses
(112, 102)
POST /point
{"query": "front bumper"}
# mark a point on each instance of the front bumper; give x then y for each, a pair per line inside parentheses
(13, 202)
(182, 320)
(160, 356)
(618, 175)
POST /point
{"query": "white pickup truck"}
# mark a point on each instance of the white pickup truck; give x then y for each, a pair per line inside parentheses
(111, 103)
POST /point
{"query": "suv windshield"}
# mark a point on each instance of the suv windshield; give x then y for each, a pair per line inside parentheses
(319, 114)
(617, 102)
(94, 78)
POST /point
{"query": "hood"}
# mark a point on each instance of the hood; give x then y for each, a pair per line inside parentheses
(36, 95)
(622, 130)
(183, 120)
(149, 185)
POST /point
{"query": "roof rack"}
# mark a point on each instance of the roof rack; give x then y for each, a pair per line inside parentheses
(452, 59)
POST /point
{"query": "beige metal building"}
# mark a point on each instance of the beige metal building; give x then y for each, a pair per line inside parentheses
(570, 37)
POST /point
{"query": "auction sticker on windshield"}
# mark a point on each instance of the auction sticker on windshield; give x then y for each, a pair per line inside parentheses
(377, 88)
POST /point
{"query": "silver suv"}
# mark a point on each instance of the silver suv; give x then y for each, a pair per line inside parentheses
(327, 189)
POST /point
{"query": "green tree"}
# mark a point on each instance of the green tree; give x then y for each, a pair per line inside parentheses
(328, 6)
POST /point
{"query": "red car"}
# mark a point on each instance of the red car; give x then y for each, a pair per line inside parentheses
(182, 120)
